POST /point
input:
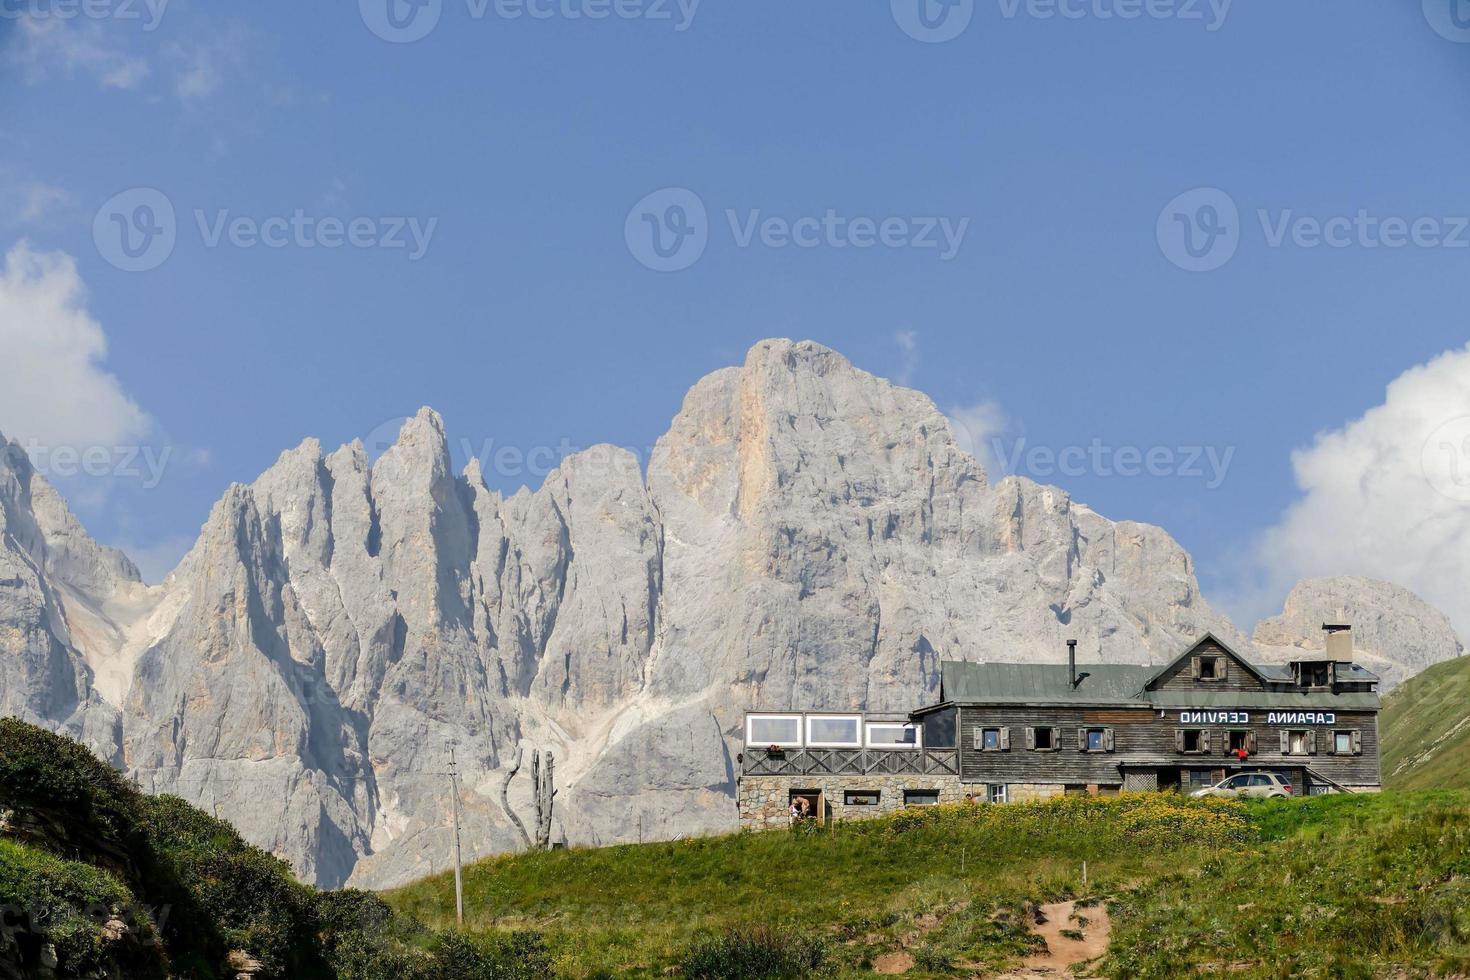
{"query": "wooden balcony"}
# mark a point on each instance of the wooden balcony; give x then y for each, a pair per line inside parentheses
(850, 762)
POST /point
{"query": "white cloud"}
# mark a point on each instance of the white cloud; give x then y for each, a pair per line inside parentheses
(975, 428)
(38, 199)
(53, 390)
(908, 345)
(41, 47)
(1387, 495)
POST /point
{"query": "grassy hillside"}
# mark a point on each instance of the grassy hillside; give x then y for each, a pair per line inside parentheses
(1331, 886)
(1426, 729)
(99, 880)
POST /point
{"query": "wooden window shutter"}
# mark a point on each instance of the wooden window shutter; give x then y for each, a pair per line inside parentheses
(979, 739)
(1005, 739)
(1107, 739)
(1204, 742)
(1195, 666)
(1332, 743)
(1285, 742)
(1030, 738)
(1311, 743)
(1178, 740)
(1082, 739)
(1222, 668)
(1357, 743)
(1250, 742)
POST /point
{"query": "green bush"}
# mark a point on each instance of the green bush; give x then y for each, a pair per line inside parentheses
(756, 953)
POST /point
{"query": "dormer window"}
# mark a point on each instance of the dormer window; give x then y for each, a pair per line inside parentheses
(1209, 668)
(1316, 675)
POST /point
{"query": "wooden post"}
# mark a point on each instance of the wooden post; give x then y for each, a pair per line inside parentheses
(454, 809)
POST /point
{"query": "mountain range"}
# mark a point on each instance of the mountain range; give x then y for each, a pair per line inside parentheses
(805, 535)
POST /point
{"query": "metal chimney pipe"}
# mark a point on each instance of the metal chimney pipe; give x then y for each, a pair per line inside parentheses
(1072, 662)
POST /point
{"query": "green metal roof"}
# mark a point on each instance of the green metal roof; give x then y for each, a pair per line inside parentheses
(1120, 684)
(991, 683)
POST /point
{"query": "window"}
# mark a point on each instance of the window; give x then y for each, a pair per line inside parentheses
(834, 731)
(991, 739)
(1239, 741)
(1200, 778)
(1191, 740)
(1346, 743)
(1207, 668)
(939, 729)
(1298, 743)
(763, 730)
(860, 797)
(1316, 675)
(1237, 782)
(920, 797)
(996, 792)
(1095, 739)
(1042, 739)
(893, 735)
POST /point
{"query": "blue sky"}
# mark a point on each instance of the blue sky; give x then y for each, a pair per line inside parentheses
(518, 147)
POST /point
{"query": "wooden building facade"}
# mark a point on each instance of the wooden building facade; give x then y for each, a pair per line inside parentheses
(1007, 732)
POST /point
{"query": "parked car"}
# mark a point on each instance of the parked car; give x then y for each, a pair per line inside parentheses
(1253, 785)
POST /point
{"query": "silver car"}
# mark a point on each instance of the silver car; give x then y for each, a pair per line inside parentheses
(1252, 785)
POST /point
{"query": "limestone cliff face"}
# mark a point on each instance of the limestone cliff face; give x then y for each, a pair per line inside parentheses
(806, 535)
(1395, 633)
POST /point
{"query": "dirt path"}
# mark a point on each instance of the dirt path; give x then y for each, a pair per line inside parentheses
(1065, 956)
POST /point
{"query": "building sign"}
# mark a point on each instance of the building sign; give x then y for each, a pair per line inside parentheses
(1214, 718)
(1301, 718)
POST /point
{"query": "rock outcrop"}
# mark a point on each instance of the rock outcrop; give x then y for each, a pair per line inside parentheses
(1396, 634)
(806, 535)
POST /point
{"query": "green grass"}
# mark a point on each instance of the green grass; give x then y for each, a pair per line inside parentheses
(956, 875)
(1426, 729)
(1363, 887)
(1338, 886)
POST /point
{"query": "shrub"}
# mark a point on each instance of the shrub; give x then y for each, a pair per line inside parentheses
(758, 953)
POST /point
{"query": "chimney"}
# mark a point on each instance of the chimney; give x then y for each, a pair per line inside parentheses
(1339, 642)
(1072, 662)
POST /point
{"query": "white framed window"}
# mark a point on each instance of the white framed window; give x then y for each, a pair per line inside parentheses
(894, 735)
(834, 731)
(861, 797)
(996, 792)
(782, 730)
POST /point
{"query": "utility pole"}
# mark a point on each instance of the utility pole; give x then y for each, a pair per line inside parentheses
(454, 808)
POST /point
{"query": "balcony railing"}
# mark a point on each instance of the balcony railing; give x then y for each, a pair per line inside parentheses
(850, 762)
